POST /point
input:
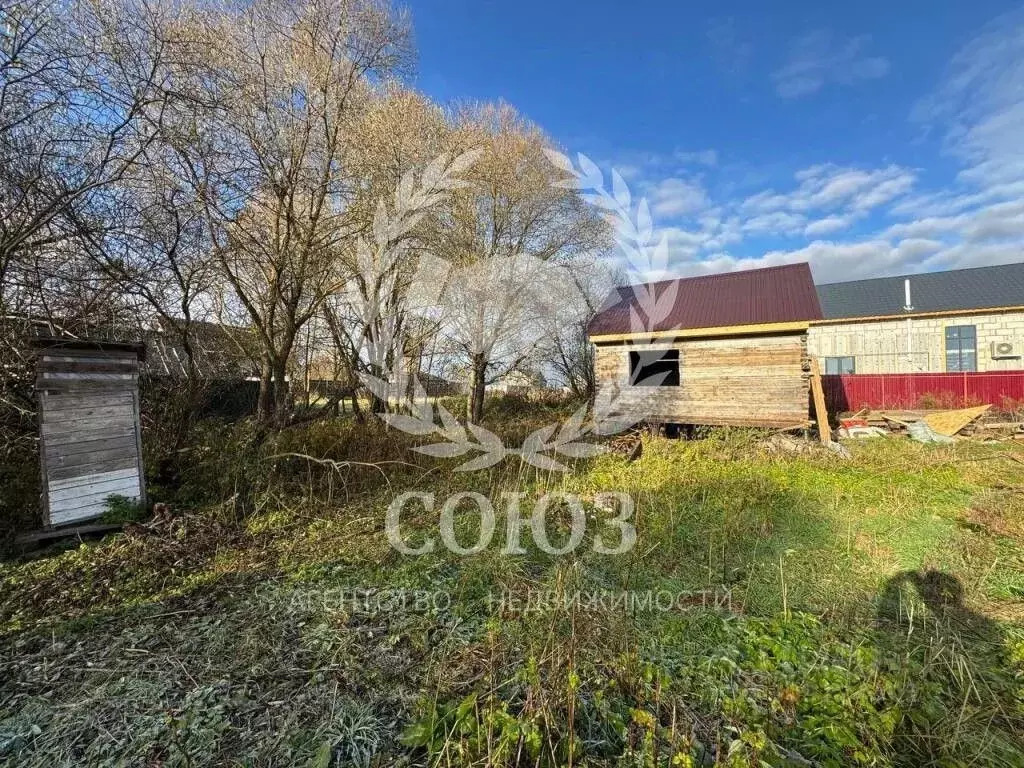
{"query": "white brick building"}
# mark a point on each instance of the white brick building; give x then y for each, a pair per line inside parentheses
(968, 320)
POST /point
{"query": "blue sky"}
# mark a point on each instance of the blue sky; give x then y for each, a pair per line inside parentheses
(867, 138)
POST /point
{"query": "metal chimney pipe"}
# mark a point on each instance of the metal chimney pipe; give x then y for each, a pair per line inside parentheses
(907, 306)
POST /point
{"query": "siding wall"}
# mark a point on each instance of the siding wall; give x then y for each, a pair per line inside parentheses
(89, 431)
(884, 346)
(756, 381)
(917, 390)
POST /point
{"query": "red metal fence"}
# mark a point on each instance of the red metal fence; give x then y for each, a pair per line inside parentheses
(921, 390)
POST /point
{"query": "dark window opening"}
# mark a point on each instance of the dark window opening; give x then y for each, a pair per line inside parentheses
(839, 366)
(961, 348)
(658, 368)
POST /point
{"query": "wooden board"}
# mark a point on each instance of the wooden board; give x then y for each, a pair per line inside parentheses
(948, 423)
(72, 498)
(47, 376)
(63, 426)
(69, 402)
(79, 387)
(100, 465)
(69, 516)
(92, 491)
(86, 436)
(83, 412)
(114, 452)
(820, 411)
(88, 368)
(79, 530)
(112, 476)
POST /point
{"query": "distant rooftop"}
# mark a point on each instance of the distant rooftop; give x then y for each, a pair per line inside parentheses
(976, 288)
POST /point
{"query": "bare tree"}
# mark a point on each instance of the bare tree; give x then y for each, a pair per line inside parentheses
(284, 84)
(403, 155)
(171, 161)
(569, 353)
(510, 216)
(80, 95)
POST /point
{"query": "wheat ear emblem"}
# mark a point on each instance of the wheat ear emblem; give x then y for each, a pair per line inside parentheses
(635, 236)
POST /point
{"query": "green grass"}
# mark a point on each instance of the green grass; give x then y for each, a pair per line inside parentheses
(811, 633)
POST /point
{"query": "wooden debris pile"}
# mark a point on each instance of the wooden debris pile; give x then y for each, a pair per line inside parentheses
(164, 520)
(782, 444)
(858, 427)
(977, 423)
(629, 445)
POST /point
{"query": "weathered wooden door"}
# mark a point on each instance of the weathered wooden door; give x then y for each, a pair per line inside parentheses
(90, 440)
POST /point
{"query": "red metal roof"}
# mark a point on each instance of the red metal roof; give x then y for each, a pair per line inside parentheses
(751, 297)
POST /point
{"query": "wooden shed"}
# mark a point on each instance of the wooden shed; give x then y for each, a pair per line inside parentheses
(727, 349)
(90, 440)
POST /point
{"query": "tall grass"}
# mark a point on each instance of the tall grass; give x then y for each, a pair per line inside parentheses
(833, 612)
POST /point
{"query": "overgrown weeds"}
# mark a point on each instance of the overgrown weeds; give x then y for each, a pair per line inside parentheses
(823, 612)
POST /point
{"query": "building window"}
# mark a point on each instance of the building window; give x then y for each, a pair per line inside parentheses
(961, 348)
(657, 368)
(839, 365)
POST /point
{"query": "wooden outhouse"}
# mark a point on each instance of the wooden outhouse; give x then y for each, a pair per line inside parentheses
(728, 349)
(90, 444)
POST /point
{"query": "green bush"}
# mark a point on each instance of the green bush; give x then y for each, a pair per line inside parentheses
(121, 509)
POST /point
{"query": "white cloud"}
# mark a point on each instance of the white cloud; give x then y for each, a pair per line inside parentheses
(629, 172)
(714, 233)
(913, 248)
(999, 221)
(816, 59)
(980, 104)
(827, 225)
(708, 157)
(680, 238)
(674, 197)
(778, 222)
(832, 188)
(768, 200)
(730, 52)
(828, 186)
(824, 205)
(948, 202)
(963, 256)
(830, 261)
(854, 221)
(931, 227)
(897, 182)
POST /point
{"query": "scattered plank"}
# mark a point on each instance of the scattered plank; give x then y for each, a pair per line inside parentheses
(820, 411)
(894, 420)
(795, 427)
(36, 537)
(948, 423)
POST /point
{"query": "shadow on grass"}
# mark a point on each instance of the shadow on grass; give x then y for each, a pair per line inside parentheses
(966, 698)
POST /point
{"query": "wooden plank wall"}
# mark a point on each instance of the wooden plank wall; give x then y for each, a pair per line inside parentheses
(739, 381)
(90, 441)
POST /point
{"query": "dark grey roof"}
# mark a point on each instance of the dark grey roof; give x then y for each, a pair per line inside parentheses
(977, 288)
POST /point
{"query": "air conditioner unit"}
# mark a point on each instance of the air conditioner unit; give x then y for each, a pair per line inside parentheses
(1002, 350)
